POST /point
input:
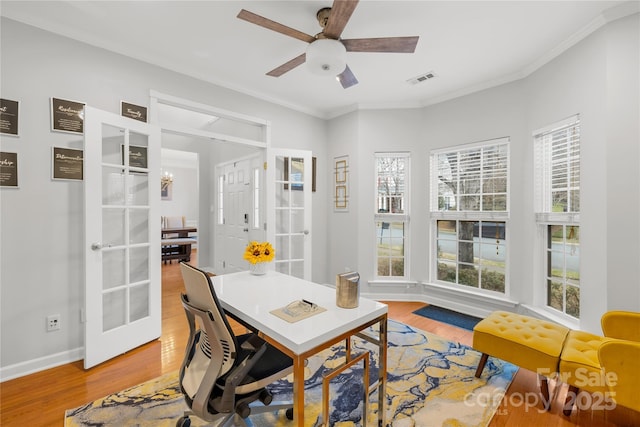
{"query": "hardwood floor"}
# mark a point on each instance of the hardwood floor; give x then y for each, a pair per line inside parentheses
(41, 399)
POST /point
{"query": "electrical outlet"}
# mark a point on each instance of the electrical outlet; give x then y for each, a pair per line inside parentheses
(53, 322)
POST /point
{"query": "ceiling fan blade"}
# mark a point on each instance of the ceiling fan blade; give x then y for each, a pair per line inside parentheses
(383, 44)
(341, 11)
(287, 66)
(347, 78)
(275, 26)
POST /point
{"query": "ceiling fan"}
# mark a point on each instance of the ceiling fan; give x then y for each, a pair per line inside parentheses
(326, 53)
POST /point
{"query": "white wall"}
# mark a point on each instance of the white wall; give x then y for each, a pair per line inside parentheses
(599, 79)
(184, 198)
(343, 140)
(623, 174)
(41, 223)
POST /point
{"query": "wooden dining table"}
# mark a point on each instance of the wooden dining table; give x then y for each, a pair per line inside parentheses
(181, 232)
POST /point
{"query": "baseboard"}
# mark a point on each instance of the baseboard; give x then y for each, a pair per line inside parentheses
(36, 365)
(462, 301)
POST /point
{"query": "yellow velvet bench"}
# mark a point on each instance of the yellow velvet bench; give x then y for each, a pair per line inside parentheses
(527, 342)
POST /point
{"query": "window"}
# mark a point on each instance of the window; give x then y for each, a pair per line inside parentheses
(557, 169)
(392, 214)
(221, 199)
(256, 198)
(469, 209)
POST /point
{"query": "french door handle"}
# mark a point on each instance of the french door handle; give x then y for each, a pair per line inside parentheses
(305, 232)
(98, 246)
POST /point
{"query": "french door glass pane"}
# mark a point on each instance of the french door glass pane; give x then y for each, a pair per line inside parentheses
(138, 226)
(138, 264)
(297, 220)
(139, 302)
(112, 145)
(297, 268)
(297, 245)
(138, 194)
(297, 197)
(114, 309)
(112, 186)
(282, 248)
(282, 221)
(283, 195)
(113, 223)
(113, 272)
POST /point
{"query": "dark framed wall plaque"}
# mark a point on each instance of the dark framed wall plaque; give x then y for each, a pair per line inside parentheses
(67, 163)
(137, 156)
(67, 116)
(9, 114)
(135, 112)
(8, 169)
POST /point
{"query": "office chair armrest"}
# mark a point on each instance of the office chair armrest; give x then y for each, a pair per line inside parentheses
(253, 343)
(235, 377)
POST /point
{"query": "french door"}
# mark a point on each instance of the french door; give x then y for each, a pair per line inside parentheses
(289, 181)
(122, 235)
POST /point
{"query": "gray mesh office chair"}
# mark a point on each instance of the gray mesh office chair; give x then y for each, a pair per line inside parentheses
(222, 374)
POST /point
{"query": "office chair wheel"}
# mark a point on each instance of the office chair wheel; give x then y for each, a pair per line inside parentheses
(289, 414)
(183, 422)
(265, 397)
(243, 410)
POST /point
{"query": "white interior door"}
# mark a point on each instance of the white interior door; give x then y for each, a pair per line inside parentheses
(122, 235)
(240, 201)
(289, 180)
(236, 221)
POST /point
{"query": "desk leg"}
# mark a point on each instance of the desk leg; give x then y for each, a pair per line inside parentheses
(298, 390)
(382, 373)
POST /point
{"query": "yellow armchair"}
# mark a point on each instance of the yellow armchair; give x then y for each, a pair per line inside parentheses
(623, 325)
(584, 356)
(621, 357)
(620, 360)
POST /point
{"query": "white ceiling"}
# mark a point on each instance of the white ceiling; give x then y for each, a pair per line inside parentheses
(469, 45)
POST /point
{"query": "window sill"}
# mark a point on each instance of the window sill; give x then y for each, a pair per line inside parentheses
(401, 282)
(552, 316)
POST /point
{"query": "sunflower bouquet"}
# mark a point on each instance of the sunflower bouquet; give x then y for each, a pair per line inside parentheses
(257, 252)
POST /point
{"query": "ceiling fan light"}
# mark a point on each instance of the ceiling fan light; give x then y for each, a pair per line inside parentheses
(326, 57)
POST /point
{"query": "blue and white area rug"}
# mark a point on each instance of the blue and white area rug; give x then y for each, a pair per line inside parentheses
(430, 382)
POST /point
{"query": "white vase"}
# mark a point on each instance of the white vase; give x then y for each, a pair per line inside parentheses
(258, 268)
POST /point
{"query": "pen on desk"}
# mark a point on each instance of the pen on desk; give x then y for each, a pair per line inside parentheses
(309, 302)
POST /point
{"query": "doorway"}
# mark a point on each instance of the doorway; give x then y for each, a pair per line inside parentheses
(219, 136)
(240, 214)
(179, 188)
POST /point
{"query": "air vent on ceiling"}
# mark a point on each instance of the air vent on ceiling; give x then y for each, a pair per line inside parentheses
(422, 78)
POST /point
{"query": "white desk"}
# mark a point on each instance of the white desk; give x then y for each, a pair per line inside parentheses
(251, 298)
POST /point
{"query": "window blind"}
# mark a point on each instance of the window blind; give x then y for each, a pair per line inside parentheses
(472, 178)
(557, 166)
